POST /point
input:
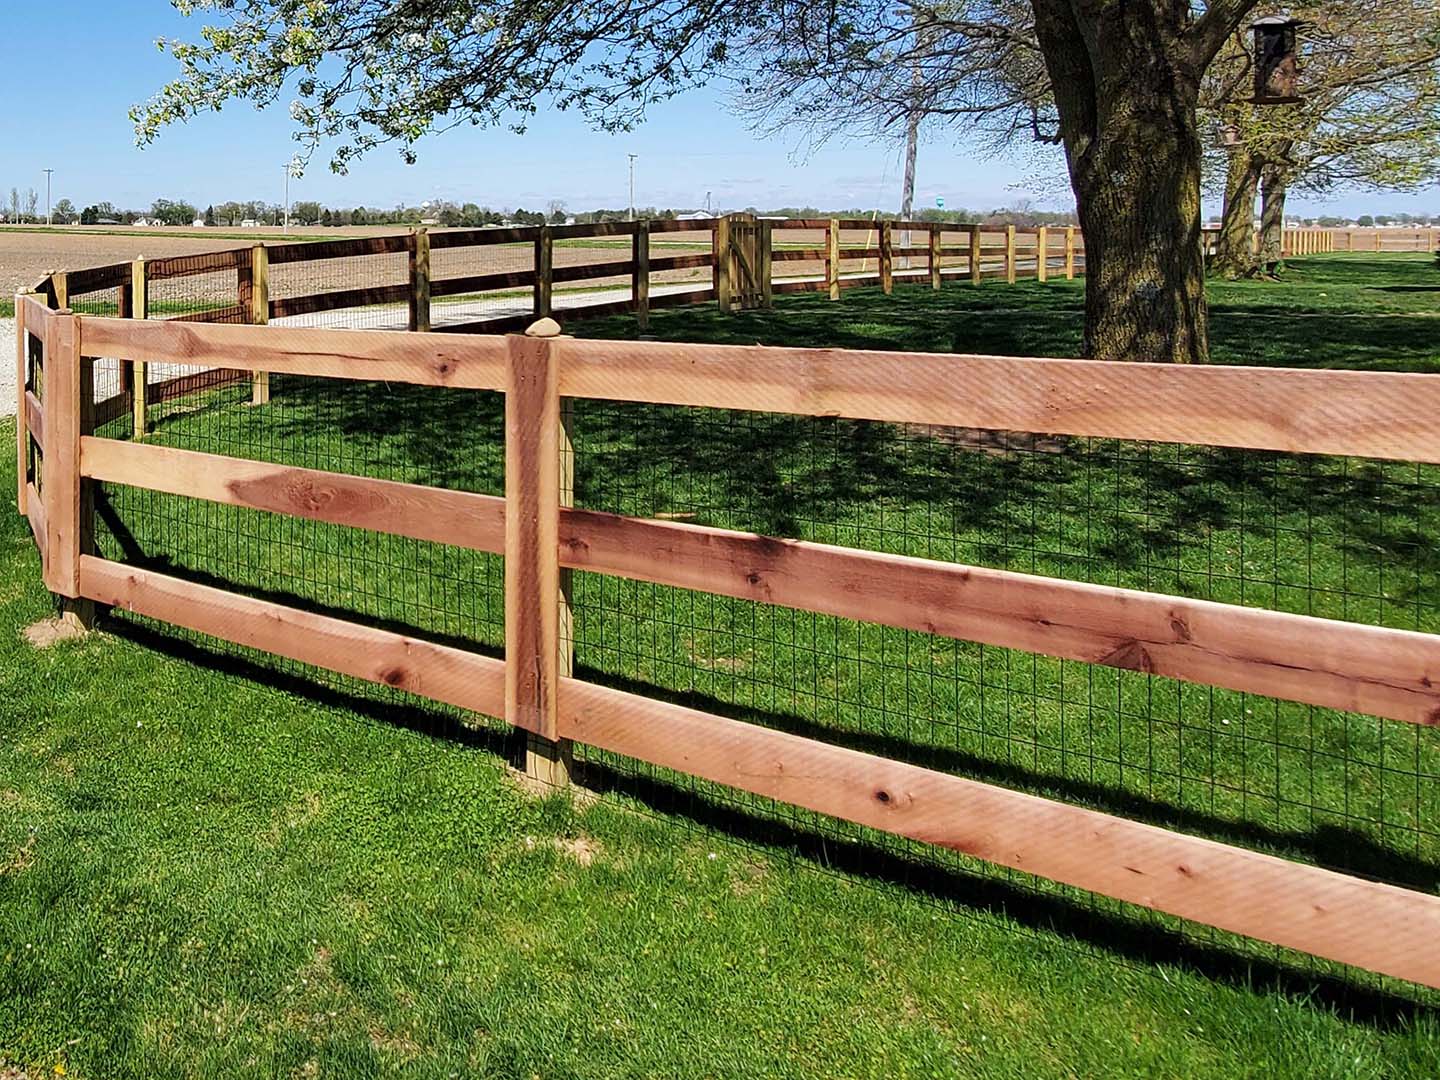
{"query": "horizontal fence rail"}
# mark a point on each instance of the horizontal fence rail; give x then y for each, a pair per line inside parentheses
(1347, 666)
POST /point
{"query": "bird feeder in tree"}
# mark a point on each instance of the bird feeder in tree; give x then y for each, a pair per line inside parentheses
(1277, 66)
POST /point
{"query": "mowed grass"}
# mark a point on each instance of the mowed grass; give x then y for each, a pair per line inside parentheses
(209, 870)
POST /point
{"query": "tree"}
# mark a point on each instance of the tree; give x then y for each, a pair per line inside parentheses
(32, 204)
(1370, 117)
(1124, 78)
(64, 212)
(305, 212)
(210, 215)
(172, 212)
(14, 204)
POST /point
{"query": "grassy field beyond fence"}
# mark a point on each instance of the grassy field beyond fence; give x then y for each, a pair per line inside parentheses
(215, 864)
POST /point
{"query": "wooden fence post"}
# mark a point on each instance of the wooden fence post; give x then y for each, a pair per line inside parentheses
(1070, 253)
(59, 290)
(1010, 273)
(544, 294)
(69, 506)
(722, 262)
(936, 234)
(134, 374)
(420, 280)
(259, 314)
(887, 258)
(640, 274)
(766, 268)
(1042, 254)
(975, 272)
(535, 467)
(832, 258)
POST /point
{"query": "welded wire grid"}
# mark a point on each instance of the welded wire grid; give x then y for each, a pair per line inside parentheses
(1334, 537)
(441, 438)
(106, 302)
(482, 260)
(349, 274)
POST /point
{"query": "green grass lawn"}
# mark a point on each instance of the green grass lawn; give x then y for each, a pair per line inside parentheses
(215, 864)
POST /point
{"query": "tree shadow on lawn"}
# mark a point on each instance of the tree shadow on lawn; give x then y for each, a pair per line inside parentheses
(798, 477)
(1253, 325)
(1325, 844)
(1134, 940)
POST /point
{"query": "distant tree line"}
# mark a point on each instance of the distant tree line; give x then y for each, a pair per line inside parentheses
(24, 207)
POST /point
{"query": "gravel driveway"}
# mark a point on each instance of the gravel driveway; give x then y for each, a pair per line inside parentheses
(7, 367)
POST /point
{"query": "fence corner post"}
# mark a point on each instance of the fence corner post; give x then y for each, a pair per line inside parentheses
(887, 258)
(259, 314)
(832, 258)
(640, 274)
(1010, 254)
(975, 268)
(1042, 254)
(69, 507)
(539, 479)
(1069, 252)
(419, 296)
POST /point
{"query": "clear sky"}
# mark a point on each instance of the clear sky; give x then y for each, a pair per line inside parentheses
(69, 74)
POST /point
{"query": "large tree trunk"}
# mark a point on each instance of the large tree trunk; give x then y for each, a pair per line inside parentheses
(1274, 186)
(1235, 247)
(1126, 82)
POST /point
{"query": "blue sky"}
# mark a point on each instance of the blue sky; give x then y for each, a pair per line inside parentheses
(98, 58)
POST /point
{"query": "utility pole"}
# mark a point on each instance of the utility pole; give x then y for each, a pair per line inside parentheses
(632, 185)
(289, 167)
(48, 220)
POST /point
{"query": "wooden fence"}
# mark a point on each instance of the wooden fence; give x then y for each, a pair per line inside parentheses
(1298, 241)
(1388, 673)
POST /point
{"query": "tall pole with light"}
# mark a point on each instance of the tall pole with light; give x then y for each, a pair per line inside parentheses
(632, 185)
(48, 216)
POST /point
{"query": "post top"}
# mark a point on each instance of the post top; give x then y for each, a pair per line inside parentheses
(543, 328)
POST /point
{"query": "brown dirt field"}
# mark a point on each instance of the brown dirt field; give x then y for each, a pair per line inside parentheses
(26, 256)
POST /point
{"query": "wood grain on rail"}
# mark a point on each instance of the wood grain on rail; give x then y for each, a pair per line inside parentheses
(1365, 413)
(1386, 929)
(439, 672)
(468, 362)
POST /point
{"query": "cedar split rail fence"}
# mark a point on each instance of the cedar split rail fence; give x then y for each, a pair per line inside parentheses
(1351, 667)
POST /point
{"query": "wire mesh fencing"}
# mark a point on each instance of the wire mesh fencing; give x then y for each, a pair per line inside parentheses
(481, 281)
(1340, 538)
(439, 438)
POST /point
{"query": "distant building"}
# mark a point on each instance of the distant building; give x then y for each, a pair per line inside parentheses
(695, 215)
(143, 223)
(249, 223)
(198, 223)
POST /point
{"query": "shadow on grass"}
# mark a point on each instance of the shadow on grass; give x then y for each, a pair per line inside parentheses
(1077, 923)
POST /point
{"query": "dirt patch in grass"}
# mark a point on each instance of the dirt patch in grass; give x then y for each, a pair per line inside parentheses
(47, 632)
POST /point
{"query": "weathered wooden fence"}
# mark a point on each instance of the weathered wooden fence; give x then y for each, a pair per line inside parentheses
(1387, 673)
(1300, 240)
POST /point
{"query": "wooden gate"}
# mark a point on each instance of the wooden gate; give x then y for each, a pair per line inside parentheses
(742, 263)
